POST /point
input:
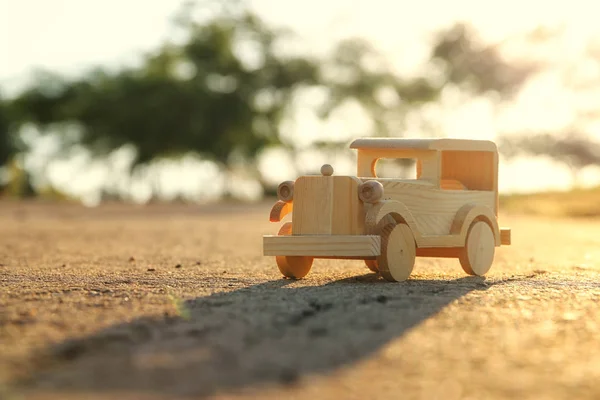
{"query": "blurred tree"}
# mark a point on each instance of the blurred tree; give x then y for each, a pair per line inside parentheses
(15, 180)
(458, 57)
(478, 67)
(6, 145)
(202, 96)
(19, 184)
(571, 142)
(225, 90)
(573, 149)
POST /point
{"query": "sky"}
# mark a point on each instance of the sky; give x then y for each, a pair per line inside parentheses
(67, 35)
(70, 36)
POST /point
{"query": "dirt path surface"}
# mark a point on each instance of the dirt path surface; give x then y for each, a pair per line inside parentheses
(124, 302)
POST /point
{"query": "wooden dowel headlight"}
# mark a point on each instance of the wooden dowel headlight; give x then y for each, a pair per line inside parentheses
(285, 191)
(370, 191)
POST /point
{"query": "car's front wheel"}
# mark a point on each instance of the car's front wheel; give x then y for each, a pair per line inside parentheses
(398, 252)
(293, 267)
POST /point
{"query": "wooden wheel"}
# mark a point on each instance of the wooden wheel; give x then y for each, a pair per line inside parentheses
(398, 252)
(294, 267)
(372, 265)
(477, 256)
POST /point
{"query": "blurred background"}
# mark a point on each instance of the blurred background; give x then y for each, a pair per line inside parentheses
(196, 101)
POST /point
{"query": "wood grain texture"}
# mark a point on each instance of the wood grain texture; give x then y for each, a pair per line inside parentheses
(386, 212)
(293, 267)
(370, 191)
(348, 211)
(315, 245)
(424, 144)
(390, 210)
(285, 191)
(280, 210)
(477, 257)
(434, 210)
(313, 205)
(469, 213)
(326, 205)
(505, 236)
(477, 170)
(452, 184)
(398, 252)
(450, 172)
(439, 252)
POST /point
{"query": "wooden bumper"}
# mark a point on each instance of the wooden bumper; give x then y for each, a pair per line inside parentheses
(324, 246)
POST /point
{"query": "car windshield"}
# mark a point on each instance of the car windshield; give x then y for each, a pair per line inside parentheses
(398, 168)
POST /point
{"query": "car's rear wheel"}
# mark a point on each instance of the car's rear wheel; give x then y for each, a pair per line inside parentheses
(398, 252)
(477, 256)
(372, 265)
(293, 267)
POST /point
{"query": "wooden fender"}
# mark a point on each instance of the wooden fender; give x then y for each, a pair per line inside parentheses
(469, 213)
(280, 210)
(376, 217)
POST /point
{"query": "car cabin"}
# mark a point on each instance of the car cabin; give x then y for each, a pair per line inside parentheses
(447, 164)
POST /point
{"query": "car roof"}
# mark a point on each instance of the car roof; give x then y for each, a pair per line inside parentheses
(386, 143)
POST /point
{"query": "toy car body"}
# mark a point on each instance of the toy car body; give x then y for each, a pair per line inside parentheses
(449, 209)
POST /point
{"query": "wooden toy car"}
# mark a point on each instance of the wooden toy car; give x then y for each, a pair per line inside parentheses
(449, 209)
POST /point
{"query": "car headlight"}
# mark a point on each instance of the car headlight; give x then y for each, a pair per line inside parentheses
(285, 191)
(370, 191)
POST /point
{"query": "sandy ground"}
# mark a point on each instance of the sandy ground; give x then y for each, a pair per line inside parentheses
(125, 302)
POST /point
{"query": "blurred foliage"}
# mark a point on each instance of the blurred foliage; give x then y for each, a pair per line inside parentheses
(225, 90)
(52, 193)
(7, 148)
(480, 68)
(196, 97)
(19, 184)
(573, 149)
(356, 71)
(571, 143)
